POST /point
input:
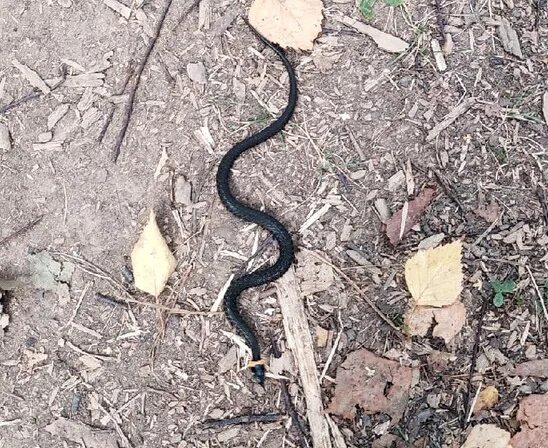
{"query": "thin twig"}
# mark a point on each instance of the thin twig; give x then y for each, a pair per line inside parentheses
(21, 231)
(140, 68)
(539, 294)
(110, 114)
(360, 292)
(31, 96)
(475, 351)
(440, 20)
(289, 406)
(242, 420)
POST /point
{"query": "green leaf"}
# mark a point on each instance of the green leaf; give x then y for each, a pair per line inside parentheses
(546, 291)
(366, 8)
(498, 300)
(394, 2)
(505, 287)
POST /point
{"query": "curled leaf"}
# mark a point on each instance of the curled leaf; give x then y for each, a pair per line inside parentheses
(152, 261)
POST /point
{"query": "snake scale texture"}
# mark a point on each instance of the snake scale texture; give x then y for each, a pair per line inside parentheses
(278, 231)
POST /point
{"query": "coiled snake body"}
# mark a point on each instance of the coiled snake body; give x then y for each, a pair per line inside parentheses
(279, 232)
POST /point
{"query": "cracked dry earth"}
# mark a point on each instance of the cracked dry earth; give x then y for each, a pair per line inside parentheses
(147, 378)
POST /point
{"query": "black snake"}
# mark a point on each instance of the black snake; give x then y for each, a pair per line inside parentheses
(279, 232)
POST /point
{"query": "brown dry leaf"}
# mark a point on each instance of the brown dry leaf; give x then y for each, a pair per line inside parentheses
(289, 23)
(79, 432)
(533, 414)
(399, 224)
(533, 410)
(152, 261)
(434, 276)
(450, 321)
(487, 436)
(537, 368)
(362, 380)
(488, 398)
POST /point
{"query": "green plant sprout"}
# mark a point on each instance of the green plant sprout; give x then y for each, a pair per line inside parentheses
(366, 6)
(501, 288)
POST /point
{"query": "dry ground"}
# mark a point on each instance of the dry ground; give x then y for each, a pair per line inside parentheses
(159, 378)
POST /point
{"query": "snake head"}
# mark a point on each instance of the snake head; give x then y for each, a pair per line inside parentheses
(259, 373)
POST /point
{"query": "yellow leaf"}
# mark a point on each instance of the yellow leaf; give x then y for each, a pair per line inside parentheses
(488, 398)
(152, 260)
(289, 23)
(434, 276)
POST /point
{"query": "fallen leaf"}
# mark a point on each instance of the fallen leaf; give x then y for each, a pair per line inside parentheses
(509, 38)
(487, 398)
(373, 383)
(415, 209)
(289, 23)
(434, 276)
(284, 364)
(79, 432)
(152, 261)
(449, 319)
(533, 410)
(314, 275)
(487, 436)
(537, 368)
(50, 275)
(229, 360)
(533, 415)
(431, 241)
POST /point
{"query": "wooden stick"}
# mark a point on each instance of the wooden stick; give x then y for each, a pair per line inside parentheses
(133, 90)
(299, 340)
(242, 420)
(21, 231)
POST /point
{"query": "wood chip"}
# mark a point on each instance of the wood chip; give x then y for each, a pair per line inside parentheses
(49, 146)
(5, 139)
(197, 72)
(31, 76)
(450, 118)
(299, 340)
(58, 113)
(120, 8)
(438, 55)
(385, 41)
(509, 38)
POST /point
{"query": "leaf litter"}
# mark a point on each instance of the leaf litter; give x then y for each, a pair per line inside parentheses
(434, 278)
(404, 219)
(373, 383)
